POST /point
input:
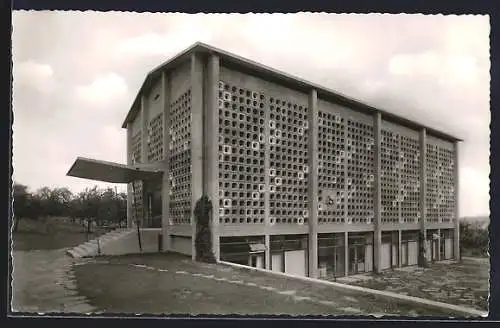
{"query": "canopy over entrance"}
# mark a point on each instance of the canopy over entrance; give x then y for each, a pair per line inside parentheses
(92, 169)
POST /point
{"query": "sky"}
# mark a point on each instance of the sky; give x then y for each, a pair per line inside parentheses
(75, 75)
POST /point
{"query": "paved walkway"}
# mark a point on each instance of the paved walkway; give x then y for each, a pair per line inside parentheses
(43, 282)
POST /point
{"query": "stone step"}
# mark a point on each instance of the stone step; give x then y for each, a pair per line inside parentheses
(85, 251)
(90, 248)
(72, 253)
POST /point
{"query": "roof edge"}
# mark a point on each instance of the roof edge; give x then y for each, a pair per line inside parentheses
(280, 75)
(158, 68)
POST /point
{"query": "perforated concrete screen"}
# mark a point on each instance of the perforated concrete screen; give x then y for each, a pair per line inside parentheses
(137, 158)
(331, 167)
(410, 179)
(180, 159)
(390, 143)
(137, 213)
(136, 148)
(289, 167)
(360, 172)
(400, 189)
(155, 139)
(447, 193)
(440, 184)
(242, 145)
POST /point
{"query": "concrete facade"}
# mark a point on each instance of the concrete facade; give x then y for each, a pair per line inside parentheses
(291, 166)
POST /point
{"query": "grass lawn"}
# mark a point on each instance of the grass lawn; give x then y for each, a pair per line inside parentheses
(34, 241)
(173, 284)
(48, 234)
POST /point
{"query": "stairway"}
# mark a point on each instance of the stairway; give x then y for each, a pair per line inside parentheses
(90, 248)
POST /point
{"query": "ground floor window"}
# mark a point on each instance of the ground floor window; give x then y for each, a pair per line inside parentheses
(360, 252)
(389, 250)
(331, 255)
(248, 250)
(289, 253)
(446, 244)
(432, 245)
(409, 248)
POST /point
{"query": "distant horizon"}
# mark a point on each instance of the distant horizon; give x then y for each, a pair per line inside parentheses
(119, 186)
(483, 215)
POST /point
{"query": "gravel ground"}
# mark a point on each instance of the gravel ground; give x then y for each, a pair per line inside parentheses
(465, 283)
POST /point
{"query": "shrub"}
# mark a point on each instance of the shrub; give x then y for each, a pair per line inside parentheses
(203, 242)
(473, 239)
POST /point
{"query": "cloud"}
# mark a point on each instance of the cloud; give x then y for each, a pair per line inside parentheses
(103, 90)
(474, 189)
(37, 76)
(445, 68)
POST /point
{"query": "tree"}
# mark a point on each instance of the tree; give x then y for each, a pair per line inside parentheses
(474, 238)
(122, 206)
(60, 201)
(108, 207)
(90, 199)
(21, 203)
(93, 204)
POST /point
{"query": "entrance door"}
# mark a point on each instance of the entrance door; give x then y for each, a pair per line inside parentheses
(385, 254)
(339, 263)
(155, 209)
(435, 250)
(357, 259)
(412, 253)
(360, 258)
(404, 254)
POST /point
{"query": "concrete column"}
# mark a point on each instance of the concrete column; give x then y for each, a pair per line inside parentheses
(165, 191)
(313, 183)
(145, 204)
(346, 176)
(400, 211)
(456, 238)
(346, 201)
(267, 241)
(144, 129)
(400, 248)
(439, 245)
(423, 193)
(144, 151)
(129, 185)
(211, 146)
(196, 139)
(267, 182)
(377, 192)
(346, 253)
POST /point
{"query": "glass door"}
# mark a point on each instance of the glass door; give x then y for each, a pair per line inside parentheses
(360, 258)
(353, 268)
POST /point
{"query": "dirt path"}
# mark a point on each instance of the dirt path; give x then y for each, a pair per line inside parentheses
(43, 281)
